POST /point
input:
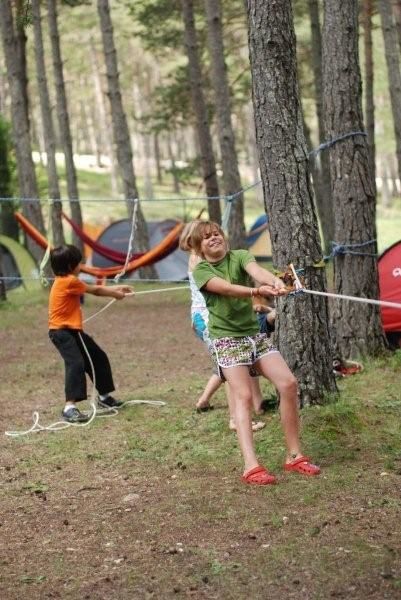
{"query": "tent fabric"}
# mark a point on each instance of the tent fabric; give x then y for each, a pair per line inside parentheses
(172, 265)
(389, 266)
(166, 245)
(258, 238)
(17, 264)
(110, 253)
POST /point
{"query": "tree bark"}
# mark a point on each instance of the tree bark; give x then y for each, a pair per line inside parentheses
(392, 53)
(20, 126)
(121, 133)
(367, 12)
(103, 118)
(208, 160)
(321, 166)
(64, 121)
(357, 327)
(48, 129)
(397, 15)
(222, 100)
(303, 332)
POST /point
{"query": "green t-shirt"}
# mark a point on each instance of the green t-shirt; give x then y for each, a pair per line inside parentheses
(228, 316)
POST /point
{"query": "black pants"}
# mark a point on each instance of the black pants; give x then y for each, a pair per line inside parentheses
(76, 363)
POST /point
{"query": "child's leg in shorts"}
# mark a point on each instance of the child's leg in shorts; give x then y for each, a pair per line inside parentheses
(239, 382)
(211, 387)
(257, 397)
(274, 368)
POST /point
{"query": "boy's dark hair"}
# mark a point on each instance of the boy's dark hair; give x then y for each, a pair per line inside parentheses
(64, 259)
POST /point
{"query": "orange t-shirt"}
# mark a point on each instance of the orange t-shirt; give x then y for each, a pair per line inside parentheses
(64, 303)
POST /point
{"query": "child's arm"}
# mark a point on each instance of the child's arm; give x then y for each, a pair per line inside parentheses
(269, 284)
(118, 291)
(218, 285)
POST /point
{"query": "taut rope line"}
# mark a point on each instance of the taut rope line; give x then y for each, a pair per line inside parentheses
(300, 288)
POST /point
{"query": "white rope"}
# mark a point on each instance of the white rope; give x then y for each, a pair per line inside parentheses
(130, 242)
(46, 255)
(182, 287)
(299, 287)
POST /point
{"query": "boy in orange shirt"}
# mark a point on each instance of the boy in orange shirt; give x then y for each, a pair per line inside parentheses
(66, 333)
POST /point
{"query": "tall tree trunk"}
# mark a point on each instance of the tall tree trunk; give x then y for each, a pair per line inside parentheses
(357, 327)
(21, 9)
(64, 121)
(208, 160)
(321, 166)
(103, 118)
(48, 129)
(222, 100)
(397, 16)
(20, 124)
(121, 133)
(173, 168)
(303, 331)
(156, 151)
(8, 223)
(392, 52)
(367, 11)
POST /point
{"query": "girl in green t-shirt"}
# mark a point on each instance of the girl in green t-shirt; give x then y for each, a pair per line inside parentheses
(224, 278)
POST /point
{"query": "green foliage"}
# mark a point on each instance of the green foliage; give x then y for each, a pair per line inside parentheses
(158, 23)
(24, 14)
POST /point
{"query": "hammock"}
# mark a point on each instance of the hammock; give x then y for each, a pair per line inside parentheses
(106, 251)
(158, 252)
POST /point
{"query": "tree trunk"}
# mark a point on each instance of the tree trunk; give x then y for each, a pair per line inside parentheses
(321, 166)
(367, 11)
(303, 332)
(156, 151)
(8, 223)
(222, 100)
(121, 133)
(48, 129)
(26, 171)
(103, 118)
(397, 15)
(357, 327)
(3, 291)
(64, 121)
(392, 52)
(207, 157)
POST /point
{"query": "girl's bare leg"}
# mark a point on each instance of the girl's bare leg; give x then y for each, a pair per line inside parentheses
(274, 368)
(257, 397)
(240, 394)
(211, 387)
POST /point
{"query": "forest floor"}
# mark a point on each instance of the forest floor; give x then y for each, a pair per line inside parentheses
(149, 503)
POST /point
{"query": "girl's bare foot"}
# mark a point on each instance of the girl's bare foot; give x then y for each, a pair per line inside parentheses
(256, 425)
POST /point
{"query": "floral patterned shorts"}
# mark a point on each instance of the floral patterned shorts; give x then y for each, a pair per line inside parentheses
(233, 352)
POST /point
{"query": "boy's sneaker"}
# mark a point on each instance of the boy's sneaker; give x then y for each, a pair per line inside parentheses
(73, 415)
(109, 402)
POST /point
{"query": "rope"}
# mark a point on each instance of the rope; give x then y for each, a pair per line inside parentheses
(330, 143)
(338, 249)
(230, 197)
(300, 288)
(130, 243)
(45, 259)
(135, 294)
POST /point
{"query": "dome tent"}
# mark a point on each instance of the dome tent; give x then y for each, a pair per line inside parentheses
(389, 266)
(16, 264)
(173, 267)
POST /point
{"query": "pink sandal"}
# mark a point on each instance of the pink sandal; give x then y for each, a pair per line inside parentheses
(302, 465)
(258, 476)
